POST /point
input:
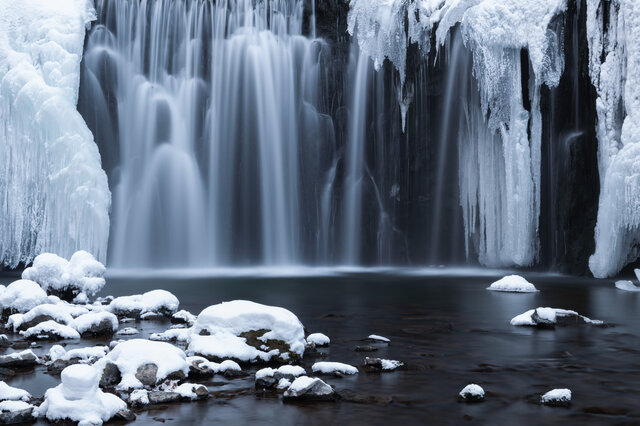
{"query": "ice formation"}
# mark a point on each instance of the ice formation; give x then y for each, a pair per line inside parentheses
(514, 284)
(53, 191)
(79, 399)
(501, 153)
(615, 72)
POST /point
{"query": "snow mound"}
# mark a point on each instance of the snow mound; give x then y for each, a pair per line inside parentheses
(60, 312)
(79, 399)
(318, 339)
(173, 334)
(556, 397)
(471, 392)
(188, 390)
(626, 286)
(22, 296)
(128, 356)
(288, 371)
(160, 301)
(247, 331)
(513, 284)
(550, 317)
(83, 274)
(185, 317)
(14, 406)
(50, 330)
(325, 367)
(54, 191)
(14, 394)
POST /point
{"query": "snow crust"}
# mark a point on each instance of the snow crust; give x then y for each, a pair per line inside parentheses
(22, 296)
(131, 354)
(514, 284)
(14, 394)
(326, 367)
(318, 339)
(150, 302)
(556, 395)
(82, 273)
(53, 192)
(226, 321)
(78, 398)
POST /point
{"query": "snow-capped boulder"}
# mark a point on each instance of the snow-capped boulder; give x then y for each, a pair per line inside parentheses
(268, 378)
(82, 274)
(183, 317)
(61, 312)
(95, 324)
(154, 301)
(128, 331)
(247, 332)
(79, 399)
(22, 296)
(377, 365)
(550, 317)
(13, 394)
(16, 412)
(471, 393)
(16, 360)
(318, 339)
(513, 284)
(333, 368)
(556, 398)
(374, 338)
(144, 363)
(190, 391)
(50, 330)
(306, 388)
(200, 367)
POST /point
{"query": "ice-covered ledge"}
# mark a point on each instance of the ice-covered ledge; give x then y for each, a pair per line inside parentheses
(53, 192)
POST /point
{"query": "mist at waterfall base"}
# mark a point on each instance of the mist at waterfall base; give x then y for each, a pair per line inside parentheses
(237, 136)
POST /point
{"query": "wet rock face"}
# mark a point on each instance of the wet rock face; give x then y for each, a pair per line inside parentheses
(268, 382)
(124, 416)
(147, 374)
(110, 376)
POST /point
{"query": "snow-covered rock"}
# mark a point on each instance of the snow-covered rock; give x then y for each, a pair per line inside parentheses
(82, 274)
(192, 391)
(318, 339)
(268, 378)
(16, 412)
(60, 312)
(183, 317)
(201, 367)
(335, 368)
(139, 397)
(14, 394)
(283, 384)
(627, 286)
(87, 354)
(172, 335)
(79, 399)
(549, 317)
(95, 324)
(128, 331)
(471, 393)
(310, 389)
(131, 355)
(380, 364)
(557, 397)
(55, 194)
(23, 359)
(248, 332)
(50, 330)
(154, 301)
(378, 339)
(513, 284)
(22, 296)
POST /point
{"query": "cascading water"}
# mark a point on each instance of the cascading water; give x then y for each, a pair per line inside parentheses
(213, 104)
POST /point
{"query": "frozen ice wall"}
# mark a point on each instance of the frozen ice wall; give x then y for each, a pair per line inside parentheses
(495, 31)
(53, 192)
(613, 31)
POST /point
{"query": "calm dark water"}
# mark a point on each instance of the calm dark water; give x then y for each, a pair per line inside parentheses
(450, 332)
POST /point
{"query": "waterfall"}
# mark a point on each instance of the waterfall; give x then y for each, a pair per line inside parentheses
(213, 103)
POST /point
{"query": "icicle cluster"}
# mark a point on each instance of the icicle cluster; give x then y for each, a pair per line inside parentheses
(614, 55)
(495, 31)
(53, 191)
